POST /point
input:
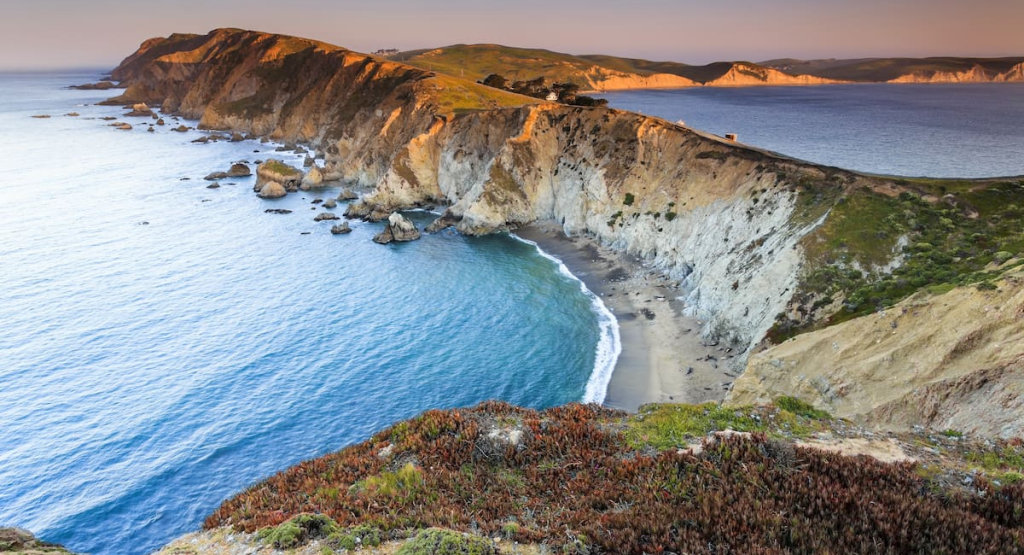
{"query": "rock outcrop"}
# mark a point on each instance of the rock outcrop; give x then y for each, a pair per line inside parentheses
(313, 179)
(341, 229)
(950, 361)
(397, 228)
(239, 170)
(272, 189)
(278, 172)
(22, 542)
(976, 74)
(325, 216)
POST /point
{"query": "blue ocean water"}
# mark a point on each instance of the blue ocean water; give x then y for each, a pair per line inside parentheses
(955, 130)
(164, 345)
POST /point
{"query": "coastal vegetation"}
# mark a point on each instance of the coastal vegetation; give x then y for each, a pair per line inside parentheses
(876, 249)
(585, 479)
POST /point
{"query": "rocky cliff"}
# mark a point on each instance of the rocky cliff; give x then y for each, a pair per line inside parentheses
(950, 361)
(976, 74)
(742, 74)
(764, 246)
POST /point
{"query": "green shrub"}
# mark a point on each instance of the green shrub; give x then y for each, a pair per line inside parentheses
(628, 201)
(298, 530)
(360, 536)
(801, 408)
(436, 541)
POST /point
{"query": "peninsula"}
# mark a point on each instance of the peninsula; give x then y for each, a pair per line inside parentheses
(891, 307)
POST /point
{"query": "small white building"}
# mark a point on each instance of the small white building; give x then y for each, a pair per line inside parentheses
(552, 96)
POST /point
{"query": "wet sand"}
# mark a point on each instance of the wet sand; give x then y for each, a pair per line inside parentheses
(663, 357)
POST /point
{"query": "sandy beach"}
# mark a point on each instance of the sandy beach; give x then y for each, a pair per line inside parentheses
(663, 358)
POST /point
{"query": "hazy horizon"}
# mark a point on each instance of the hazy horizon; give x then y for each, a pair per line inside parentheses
(57, 34)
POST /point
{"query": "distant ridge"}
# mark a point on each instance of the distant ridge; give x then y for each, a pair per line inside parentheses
(598, 72)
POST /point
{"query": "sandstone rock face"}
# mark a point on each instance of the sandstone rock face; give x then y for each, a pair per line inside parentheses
(398, 228)
(272, 189)
(140, 110)
(951, 361)
(312, 179)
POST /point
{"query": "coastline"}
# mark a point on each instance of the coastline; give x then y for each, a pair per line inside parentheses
(662, 358)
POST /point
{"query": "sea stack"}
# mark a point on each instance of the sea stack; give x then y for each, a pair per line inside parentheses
(398, 228)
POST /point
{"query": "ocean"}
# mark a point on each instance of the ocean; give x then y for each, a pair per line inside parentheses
(164, 345)
(941, 130)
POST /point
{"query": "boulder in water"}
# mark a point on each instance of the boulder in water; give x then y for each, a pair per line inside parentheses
(341, 229)
(324, 216)
(330, 203)
(239, 170)
(140, 110)
(347, 194)
(312, 179)
(397, 228)
(279, 172)
(272, 189)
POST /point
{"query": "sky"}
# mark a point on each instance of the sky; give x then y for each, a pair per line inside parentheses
(47, 34)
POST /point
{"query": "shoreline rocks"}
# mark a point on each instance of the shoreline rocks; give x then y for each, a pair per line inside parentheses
(18, 540)
(278, 172)
(312, 179)
(239, 169)
(398, 228)
(100, 86)
(272, 190)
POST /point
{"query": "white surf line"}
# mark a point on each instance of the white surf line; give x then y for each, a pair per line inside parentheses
(609, 346)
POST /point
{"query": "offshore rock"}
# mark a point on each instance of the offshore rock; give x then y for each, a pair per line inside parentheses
(272, 189)
(398, 228)
(312, 179)
(239, 170)
(140, 110)
(324, 216)
(347, 194)
(341, 229)
(278, 172)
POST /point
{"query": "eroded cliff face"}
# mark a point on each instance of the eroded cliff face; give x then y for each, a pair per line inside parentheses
(976, 74)
(950, 361)
(719, 217)
(748, 75)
